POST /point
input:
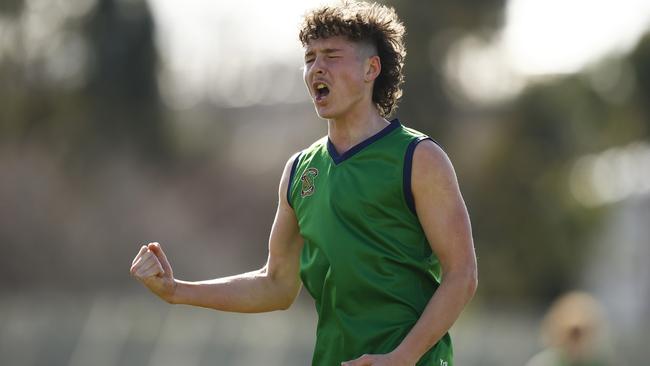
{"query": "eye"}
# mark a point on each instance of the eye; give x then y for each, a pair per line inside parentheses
(308, 61)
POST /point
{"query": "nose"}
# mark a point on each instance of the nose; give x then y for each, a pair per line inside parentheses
(318, 66)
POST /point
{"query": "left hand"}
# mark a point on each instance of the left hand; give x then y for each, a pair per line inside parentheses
(388, 359)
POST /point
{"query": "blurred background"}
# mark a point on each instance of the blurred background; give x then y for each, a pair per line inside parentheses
(129, 121)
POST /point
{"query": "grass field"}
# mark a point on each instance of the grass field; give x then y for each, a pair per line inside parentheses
(117, 329)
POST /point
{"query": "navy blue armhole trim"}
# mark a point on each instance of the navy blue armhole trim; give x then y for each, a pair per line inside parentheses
(408, 168)
(293, 172)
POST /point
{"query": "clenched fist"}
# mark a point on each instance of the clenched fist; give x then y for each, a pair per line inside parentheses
(152, 268)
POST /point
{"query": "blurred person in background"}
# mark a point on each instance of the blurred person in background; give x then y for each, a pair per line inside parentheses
(574, 333)
(370, 218)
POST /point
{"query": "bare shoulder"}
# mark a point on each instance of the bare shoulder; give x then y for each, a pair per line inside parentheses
(286, 178)
(432, 165)
(288, 166)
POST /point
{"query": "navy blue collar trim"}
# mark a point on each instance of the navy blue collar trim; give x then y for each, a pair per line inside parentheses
(338, 159)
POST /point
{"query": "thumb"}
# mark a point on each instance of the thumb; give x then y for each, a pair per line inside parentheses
(162, 258)
(361, 361)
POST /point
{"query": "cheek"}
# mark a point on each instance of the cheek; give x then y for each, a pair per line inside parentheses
(353, 76)
(353, 82)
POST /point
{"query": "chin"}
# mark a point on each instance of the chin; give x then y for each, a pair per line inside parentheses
(326, 113)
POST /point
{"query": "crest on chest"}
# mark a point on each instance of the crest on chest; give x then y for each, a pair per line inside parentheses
(307, 179)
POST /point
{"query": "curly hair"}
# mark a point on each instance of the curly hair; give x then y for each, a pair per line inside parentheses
(370, 23)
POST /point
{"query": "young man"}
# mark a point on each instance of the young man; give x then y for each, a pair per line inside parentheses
(370, 218)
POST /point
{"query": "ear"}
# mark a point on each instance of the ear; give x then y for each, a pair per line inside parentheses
(373, 68)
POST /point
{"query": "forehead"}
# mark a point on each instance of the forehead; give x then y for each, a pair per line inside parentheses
(331, 43)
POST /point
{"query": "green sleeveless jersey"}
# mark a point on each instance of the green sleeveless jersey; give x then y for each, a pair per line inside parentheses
(365, 261)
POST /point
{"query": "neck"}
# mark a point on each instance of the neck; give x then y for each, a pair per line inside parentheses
(349, 130)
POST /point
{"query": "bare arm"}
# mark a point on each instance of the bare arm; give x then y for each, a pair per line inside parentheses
(273, 287)
(443, 216)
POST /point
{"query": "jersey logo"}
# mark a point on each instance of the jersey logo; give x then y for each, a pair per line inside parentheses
(307, 179)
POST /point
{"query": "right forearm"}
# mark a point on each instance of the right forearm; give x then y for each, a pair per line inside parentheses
(251, 292)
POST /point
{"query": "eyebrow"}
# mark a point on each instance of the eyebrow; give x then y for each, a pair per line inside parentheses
(325, 51)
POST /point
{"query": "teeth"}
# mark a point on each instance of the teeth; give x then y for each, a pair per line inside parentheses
(321, 86)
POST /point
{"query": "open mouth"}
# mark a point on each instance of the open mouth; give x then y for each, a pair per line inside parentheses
(321, 91)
